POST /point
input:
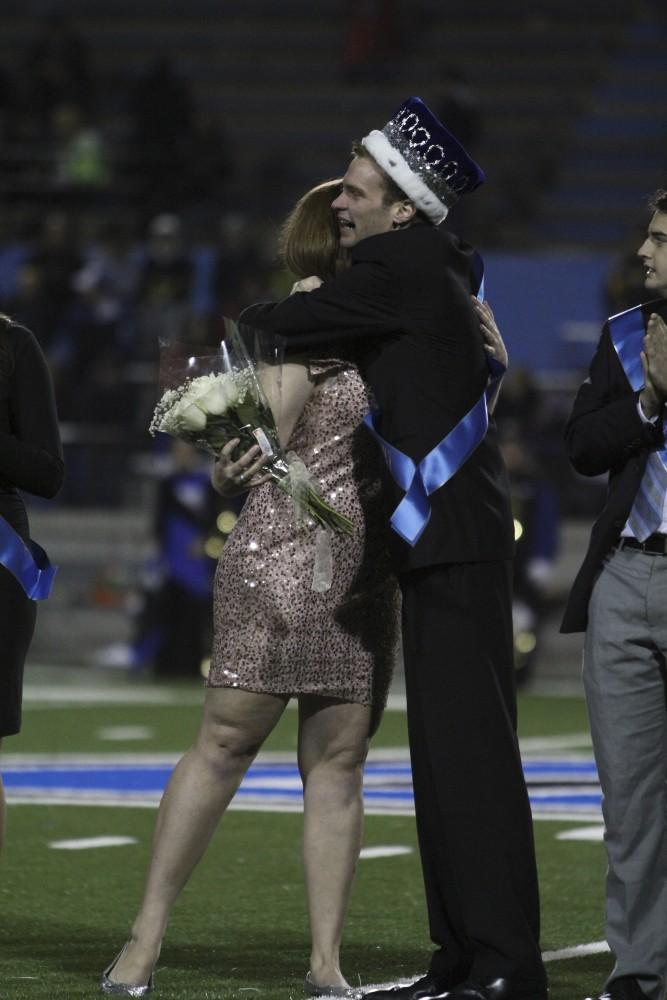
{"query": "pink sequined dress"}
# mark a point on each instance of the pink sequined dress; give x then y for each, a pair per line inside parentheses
(272, 632)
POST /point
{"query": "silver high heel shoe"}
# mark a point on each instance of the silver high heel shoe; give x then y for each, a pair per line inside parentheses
(108, 987)
(331, 991)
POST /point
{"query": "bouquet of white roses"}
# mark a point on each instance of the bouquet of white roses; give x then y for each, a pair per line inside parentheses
(216, 397)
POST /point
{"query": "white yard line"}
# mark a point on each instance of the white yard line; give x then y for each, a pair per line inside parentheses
(385, 851)
(592, 833)
(576, 951)
(86, 843)
(119, 734)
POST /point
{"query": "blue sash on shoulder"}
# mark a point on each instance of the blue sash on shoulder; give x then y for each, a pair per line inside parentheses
(420, 480)
(28, 563)
(627, 335)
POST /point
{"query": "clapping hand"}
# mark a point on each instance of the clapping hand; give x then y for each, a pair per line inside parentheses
(654, 364)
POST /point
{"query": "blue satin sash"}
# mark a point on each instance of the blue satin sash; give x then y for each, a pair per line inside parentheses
(627, 332)
(627, 335)
(28, 563)
(420, 480)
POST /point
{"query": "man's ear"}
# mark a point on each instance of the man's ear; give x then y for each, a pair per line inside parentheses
(403, 212)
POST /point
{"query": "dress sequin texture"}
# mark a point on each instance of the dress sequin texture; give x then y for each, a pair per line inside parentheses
(273, 633)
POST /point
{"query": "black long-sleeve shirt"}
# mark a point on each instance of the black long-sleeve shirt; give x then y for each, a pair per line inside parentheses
(31, 456)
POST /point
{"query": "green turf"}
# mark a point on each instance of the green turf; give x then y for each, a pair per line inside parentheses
(240, 924)
(75, 730)
(239, 930)
(542, 716)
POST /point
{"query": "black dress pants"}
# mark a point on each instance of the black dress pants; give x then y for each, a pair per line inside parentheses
(473, 816)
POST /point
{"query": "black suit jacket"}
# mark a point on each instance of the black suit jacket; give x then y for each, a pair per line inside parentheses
(405, 302)
(606, 434)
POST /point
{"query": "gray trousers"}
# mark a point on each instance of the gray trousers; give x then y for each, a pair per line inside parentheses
(625, 684)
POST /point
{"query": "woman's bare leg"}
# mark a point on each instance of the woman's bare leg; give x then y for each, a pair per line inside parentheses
(333, 743)
(234, 726)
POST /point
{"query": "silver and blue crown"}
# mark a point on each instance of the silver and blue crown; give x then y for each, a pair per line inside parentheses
(424, 159)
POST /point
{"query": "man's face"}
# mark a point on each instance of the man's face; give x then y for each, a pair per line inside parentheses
(653, 253)
(360, 207)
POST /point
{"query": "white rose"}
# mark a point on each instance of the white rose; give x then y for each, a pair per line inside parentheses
(190, 416)
(213, 401)
(220, 395)
(231, 388)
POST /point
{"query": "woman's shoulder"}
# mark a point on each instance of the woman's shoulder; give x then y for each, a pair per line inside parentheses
(19, 348)
(7, 346)
(16, 336)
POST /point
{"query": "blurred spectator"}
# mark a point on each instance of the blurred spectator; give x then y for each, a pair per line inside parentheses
(372, 40)
(523, 404)
(102, 395)
(536, 521)
(58, 255)
(240, 275)
(80, 162)
(187, 508)
(24, 161)
(457, 105)
(521, 184)
(531, 443)
(108, 283)
(14, 236)
(5, 102)
(208, 167)
(174, 628)
(99, 401)
(57, 69)
(165, 288)
(101, 330)
(41, 289)
(161, 109)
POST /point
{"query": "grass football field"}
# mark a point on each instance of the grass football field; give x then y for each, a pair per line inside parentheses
(72, 873)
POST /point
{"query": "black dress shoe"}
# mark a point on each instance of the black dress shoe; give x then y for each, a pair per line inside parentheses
(623, 988)
(498, 989)
(427, 988)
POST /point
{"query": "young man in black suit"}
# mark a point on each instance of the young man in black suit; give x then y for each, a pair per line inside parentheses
(407, 300)
(620, 599)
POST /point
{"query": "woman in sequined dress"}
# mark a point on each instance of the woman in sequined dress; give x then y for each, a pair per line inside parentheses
(277, 637)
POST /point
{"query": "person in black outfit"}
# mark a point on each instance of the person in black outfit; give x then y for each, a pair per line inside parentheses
(187, 507)
(31, 459)
(407, 293)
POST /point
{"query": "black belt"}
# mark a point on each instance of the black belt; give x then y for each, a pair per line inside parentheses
(655, 544)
